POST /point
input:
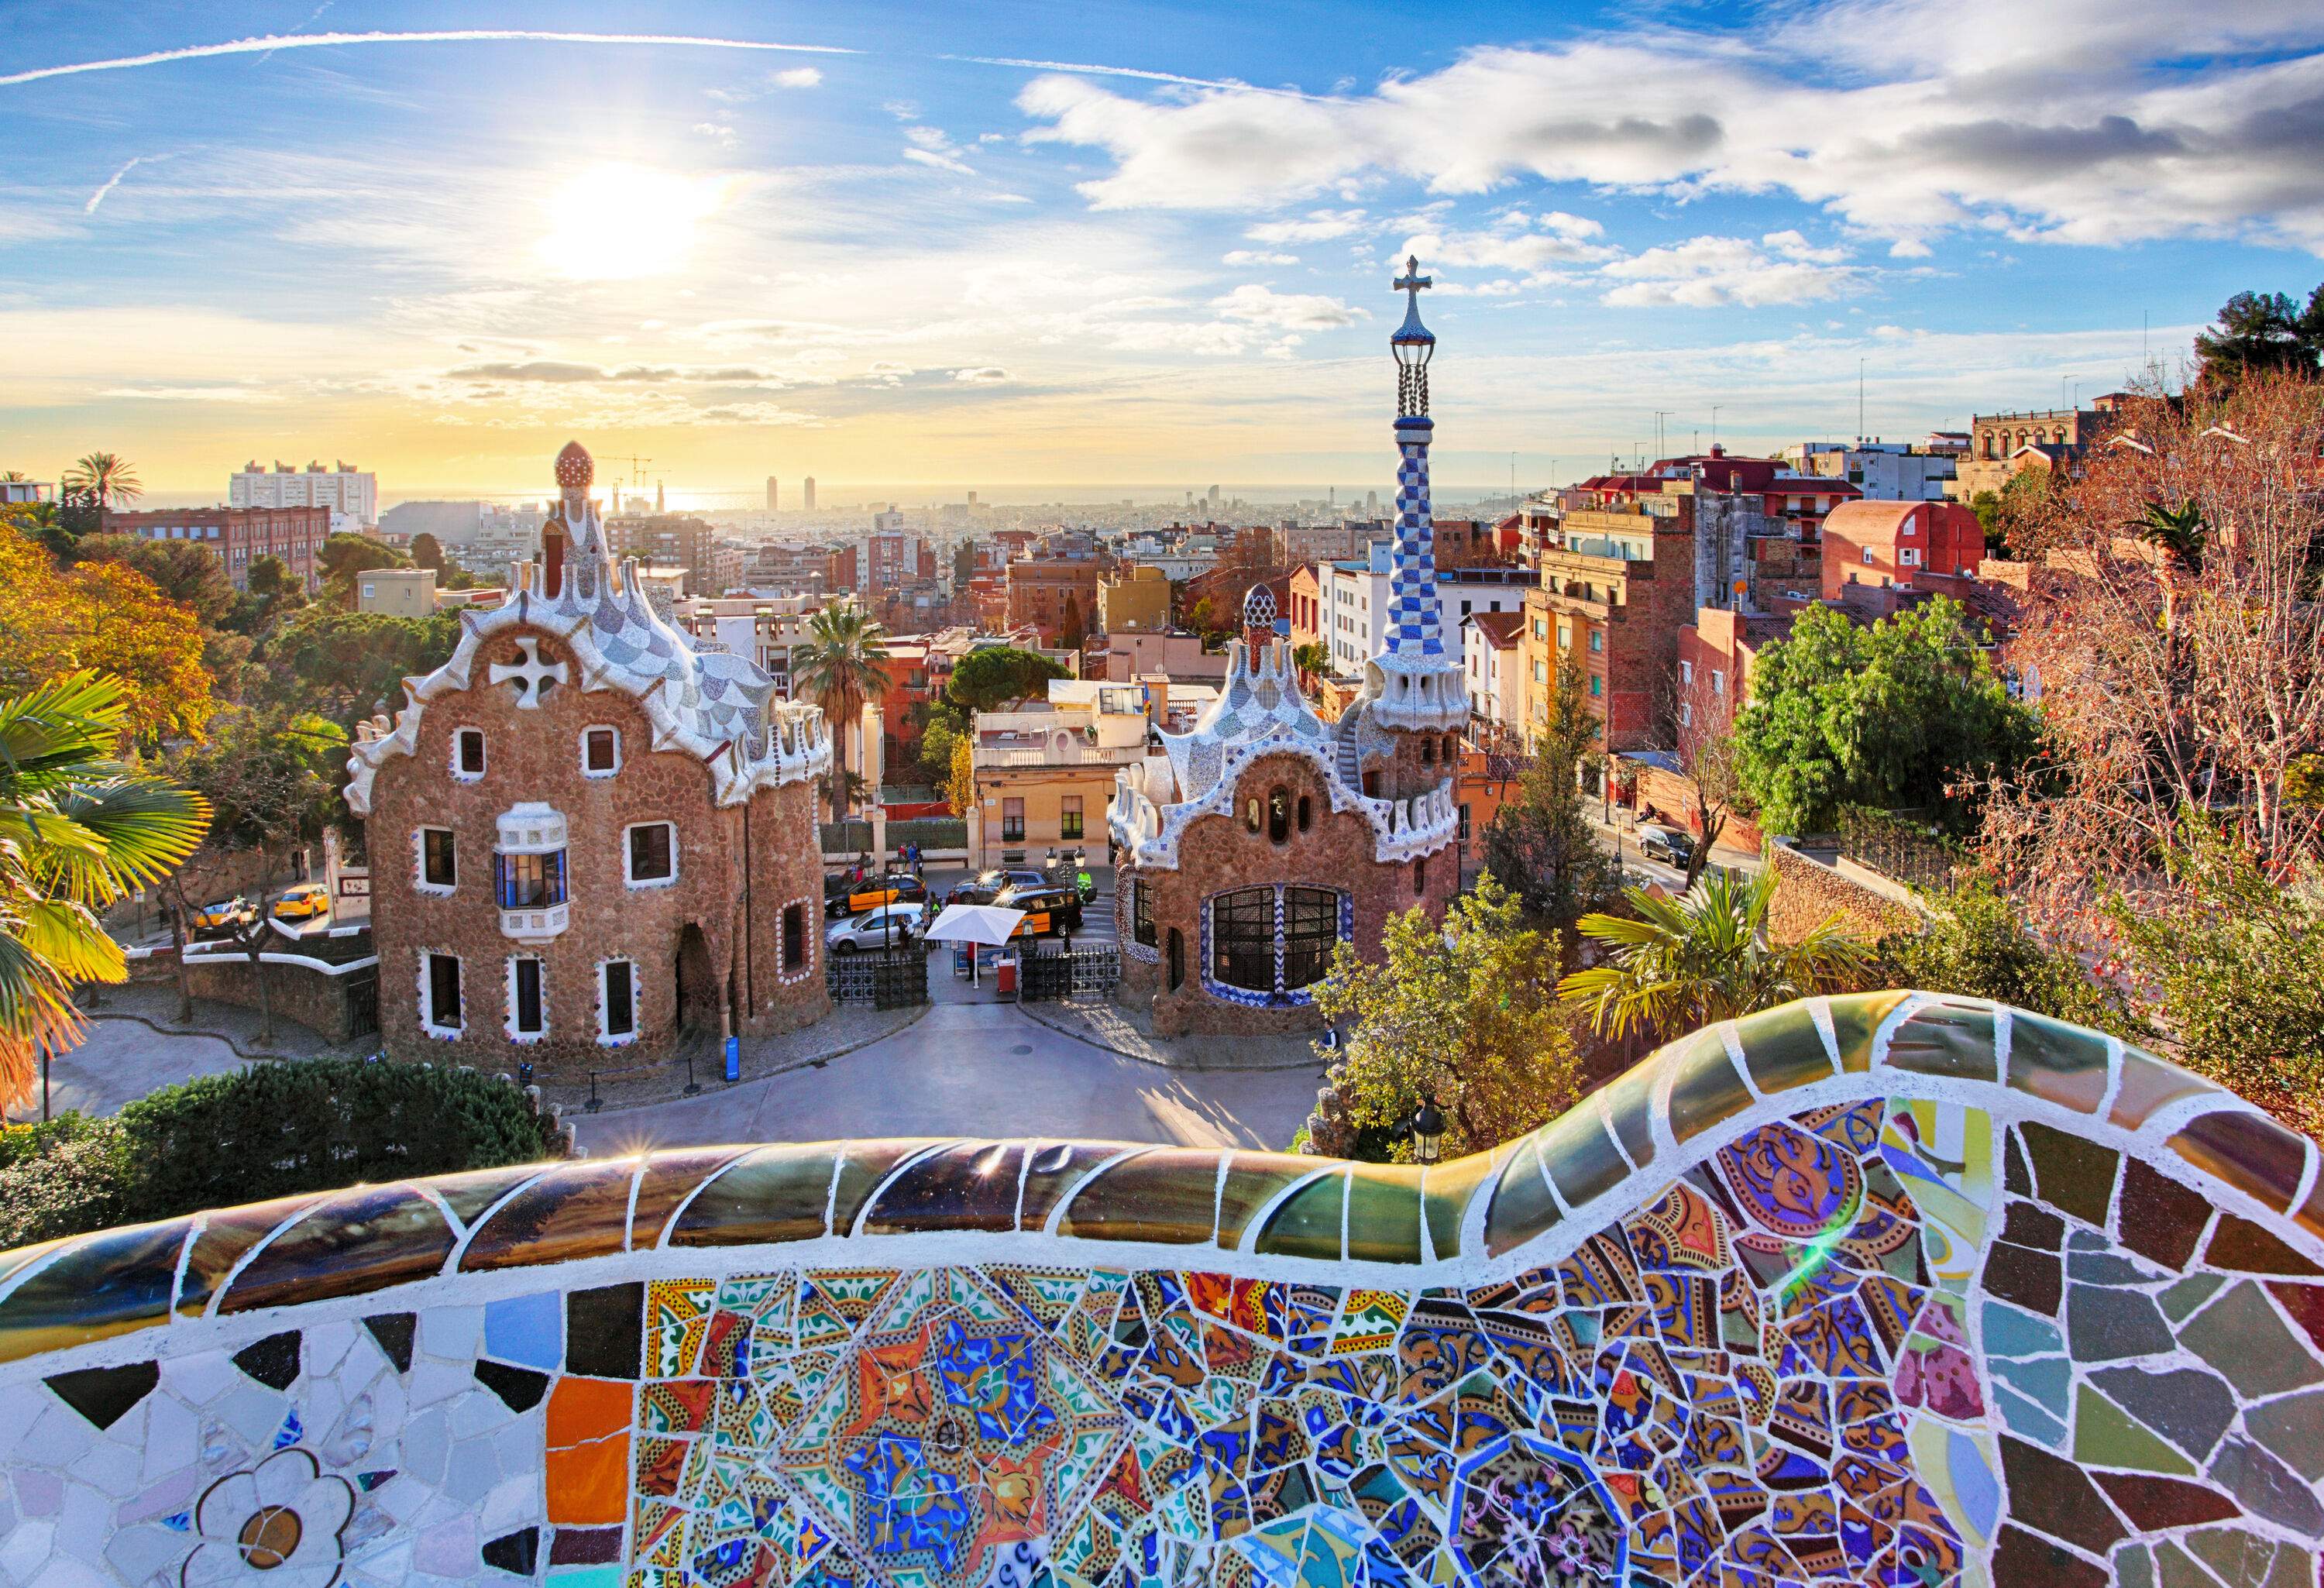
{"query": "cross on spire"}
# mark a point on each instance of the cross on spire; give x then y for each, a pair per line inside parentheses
(1410, 283)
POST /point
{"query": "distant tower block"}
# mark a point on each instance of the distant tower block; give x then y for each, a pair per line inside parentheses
(774, 494)
(808, 489)
(657, 502)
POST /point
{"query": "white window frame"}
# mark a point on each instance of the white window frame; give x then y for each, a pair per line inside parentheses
(459, 776)
(631, 881)
(509, 1025)
(1908, 555)
(606, 1039)
(1867, 554)
(1686, 670)
(810, 921)
(419, 881)
(1717, 684)
(586, 770)
(428, 1022)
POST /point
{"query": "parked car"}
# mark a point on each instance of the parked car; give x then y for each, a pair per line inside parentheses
(1667, 845)
(985, 887)
(1047, 908)
(303, 903)
(891, 926)
(224, 916)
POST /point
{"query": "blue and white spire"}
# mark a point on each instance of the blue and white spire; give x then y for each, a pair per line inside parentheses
(1414, 682)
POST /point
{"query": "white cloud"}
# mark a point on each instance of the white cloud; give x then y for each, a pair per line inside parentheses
(931, 147)
(798, 76)
(192, 393)
(2084, 124)
(1254, 256)
(989, 375)
(1716, 272)
(1316, 227)
(1306, 311)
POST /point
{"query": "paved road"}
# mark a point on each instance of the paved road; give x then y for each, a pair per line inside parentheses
(121, 1061)
(976, 1069)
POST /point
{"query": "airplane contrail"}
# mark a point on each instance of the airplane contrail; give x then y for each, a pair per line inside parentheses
(273, 41)
(1085, 69)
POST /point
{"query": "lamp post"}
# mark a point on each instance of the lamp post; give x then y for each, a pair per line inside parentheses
(1427, 1133)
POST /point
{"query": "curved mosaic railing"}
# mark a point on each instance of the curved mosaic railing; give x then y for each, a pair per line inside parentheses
(1888, 1289)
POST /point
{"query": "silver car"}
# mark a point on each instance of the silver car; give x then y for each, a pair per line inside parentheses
(889, 926)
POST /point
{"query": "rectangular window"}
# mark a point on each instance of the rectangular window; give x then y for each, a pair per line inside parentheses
(524, 998)
(653, 852)
(794, 938)
(440, 862)
(1867, 554)
(471, 751)
(1069, 815)
(1565, 636)
(1141, 914)
(620, 1001)
(530, 882)
(1597, 641)
(601, 751)
(1012, 821)
(1597, 686)
(444, 992)
(1686, 714)
(1717, 684)
(1685, 671)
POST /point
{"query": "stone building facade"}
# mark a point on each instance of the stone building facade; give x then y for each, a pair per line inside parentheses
(589, 841)
(1251, 847)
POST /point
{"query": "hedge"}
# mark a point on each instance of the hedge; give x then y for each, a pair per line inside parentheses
(269, 1130)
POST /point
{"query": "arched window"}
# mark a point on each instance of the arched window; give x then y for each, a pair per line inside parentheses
(1278, 814)
(1242, 939)
(1452, 748)
(1251, 814)
(1420, 879)
(1428, 752)
(1306, 813)
(1178, 959)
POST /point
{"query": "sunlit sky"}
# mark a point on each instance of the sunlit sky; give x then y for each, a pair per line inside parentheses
(916, 248)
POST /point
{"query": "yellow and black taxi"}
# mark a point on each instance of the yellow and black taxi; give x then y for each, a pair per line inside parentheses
(304, 902)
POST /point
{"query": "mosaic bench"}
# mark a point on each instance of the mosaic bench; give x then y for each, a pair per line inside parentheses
(1887, 1288)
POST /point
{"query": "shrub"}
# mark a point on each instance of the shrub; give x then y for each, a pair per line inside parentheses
(269, 1130)
(1978, 943)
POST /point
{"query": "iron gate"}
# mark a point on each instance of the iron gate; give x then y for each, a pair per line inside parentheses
(885, 981)
(1076, 973)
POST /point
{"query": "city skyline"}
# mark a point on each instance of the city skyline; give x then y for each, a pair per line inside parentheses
(908, 248)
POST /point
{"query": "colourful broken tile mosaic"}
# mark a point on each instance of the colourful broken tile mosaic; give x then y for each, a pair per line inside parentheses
(1938, 1322)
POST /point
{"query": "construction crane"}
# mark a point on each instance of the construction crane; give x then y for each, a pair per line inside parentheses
(637, 468)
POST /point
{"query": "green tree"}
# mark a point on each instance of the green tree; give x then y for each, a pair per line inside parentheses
(960, 782)
(1977, 943)
(426, 551)
(1314, 658)
(346, 665)
(344, 559)
(2234, 973)
(1460, 1013)
(990, 679)
(1541, 844)
(1704, 957)
(1896, 716)
(79, 830)
(1204, 621)
(105, 478)
(840, 665)
(936, 750)
(1072, 632)
(182, 571)
(2258, 332)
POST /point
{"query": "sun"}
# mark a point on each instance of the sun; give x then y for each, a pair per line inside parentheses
(618, 222)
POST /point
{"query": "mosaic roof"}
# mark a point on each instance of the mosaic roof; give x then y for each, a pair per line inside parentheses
(1887, 1288)
(721, 708)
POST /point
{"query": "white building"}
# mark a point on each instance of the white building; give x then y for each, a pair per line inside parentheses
(1354, 598)
(354, 492)
(1492, 661)
(1885, 471)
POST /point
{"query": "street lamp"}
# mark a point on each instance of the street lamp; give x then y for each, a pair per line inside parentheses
(1427, 1133)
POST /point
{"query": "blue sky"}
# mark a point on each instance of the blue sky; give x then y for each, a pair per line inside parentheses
(1095, 244)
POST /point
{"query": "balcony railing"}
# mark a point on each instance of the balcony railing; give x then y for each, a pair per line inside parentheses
(1038, 755)
(535, 924)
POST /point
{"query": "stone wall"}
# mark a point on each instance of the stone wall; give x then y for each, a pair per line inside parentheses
(314, 998)
(1219, 853)
(1881, 1288)
(1808, 890)
(738, 868)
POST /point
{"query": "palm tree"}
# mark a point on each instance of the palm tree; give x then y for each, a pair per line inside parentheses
(838, 666)
(1312, 659)
(1704, 957)
(77, 831)
(106, 478)
(13, 476)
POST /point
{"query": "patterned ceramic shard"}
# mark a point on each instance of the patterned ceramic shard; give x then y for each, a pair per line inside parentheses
(1937, 1322)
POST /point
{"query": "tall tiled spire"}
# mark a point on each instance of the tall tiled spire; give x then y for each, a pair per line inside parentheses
(1413, 681)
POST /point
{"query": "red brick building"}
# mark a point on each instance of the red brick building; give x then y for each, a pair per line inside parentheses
(1038, 589)
(1617, 586)
(238, 536)
(1899, 543)
(587, 839)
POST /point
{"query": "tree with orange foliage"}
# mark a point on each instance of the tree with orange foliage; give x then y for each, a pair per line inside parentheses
(102, 617)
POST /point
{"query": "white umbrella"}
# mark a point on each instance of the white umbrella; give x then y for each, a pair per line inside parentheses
(985, 925)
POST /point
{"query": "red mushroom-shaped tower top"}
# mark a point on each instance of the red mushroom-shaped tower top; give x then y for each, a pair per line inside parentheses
(575, 470)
